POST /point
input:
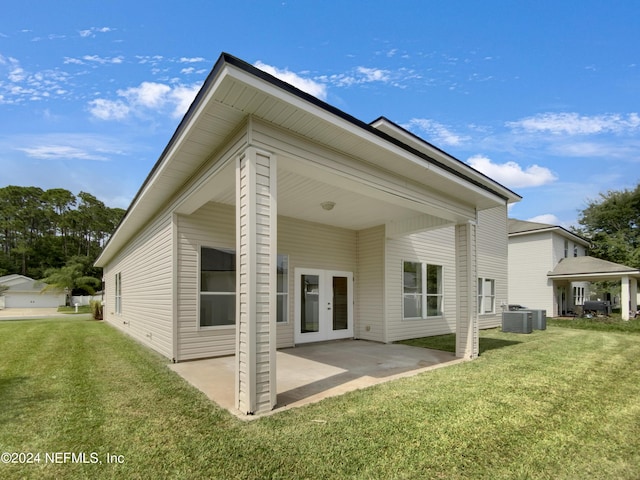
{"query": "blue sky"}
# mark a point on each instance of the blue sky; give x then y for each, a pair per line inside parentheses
(543, 96)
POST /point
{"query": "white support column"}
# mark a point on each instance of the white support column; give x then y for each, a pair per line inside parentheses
(628, 296)
(625, 298)
(256, 254)
(467, 331)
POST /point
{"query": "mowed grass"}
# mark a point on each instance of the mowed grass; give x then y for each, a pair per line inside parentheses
(557, 404)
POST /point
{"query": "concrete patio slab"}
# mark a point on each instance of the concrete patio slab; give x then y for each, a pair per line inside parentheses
(310, 373)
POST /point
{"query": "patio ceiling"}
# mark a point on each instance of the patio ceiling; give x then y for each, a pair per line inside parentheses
(301, 196)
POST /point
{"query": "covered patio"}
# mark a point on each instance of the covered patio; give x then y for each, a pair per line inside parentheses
(590, 269)
(310, 373)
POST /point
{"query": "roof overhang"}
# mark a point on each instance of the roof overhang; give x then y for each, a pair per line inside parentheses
(595, 276)
(557, 229)
(591, 269)
(235, 91)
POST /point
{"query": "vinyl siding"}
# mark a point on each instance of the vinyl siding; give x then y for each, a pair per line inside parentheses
(492, 251)
(436, 247)
(369, 285)
(255, 283)
(213, 225)
(146, 268)
(530, 259)
(307, 244)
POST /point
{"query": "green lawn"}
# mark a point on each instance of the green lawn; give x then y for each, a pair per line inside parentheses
(72, 310)
(558, 404)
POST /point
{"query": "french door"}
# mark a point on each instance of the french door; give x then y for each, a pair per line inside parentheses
(323, 306)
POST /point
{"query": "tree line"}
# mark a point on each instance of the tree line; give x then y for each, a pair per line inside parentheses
(612, 223)
(42, 230)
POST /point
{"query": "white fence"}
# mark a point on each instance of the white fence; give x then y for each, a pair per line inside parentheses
(84, 299)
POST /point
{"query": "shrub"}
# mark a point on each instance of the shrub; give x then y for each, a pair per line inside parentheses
(96, 309)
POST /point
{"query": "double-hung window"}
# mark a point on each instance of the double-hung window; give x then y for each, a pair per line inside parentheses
(578, 295)
(218, 287)
(486, 295)
(283, 289)
(422, 290)
(118, 292)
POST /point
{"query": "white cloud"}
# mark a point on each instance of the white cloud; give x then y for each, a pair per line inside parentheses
(50, 152)
(549, 218)
(191, 59)
(108, 109)
(359, 76)
(75, 61)
(103, 60)
(436, 132)
(511, 174)
(305, 84)
(64, 146)
(91, 32)
(183, 97)
(373, 74)
(22, 85)
(16, 74)
(576, 124)
(148, 96)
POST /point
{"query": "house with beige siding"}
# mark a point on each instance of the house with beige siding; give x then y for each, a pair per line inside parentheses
(550, 269)
(273, 219)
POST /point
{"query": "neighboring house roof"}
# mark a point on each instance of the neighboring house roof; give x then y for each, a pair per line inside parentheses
(522, 227)
(235, 92)
(21, 284)
(591, 269)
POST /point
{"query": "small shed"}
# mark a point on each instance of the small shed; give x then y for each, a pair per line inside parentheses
(25, 292)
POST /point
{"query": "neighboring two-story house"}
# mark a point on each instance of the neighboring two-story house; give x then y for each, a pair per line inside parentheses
(549, 269)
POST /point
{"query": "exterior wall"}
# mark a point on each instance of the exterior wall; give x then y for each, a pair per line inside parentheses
(308, 245)
(213, 225)
(369, 284)
(530, 259)
(492, 254)
(436, 247)
(146, 268)
(559, 250)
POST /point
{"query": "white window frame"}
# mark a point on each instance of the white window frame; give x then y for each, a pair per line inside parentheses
(578, 295)
(484, 297)
(118, 293)
(201, 293)
(284, 315)
(423, 294)
(284, 293)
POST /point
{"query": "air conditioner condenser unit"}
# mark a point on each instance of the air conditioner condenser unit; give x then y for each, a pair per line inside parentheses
(517, 322)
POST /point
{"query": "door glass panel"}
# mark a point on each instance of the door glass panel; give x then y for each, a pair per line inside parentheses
(340, 303)
(310, 304)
